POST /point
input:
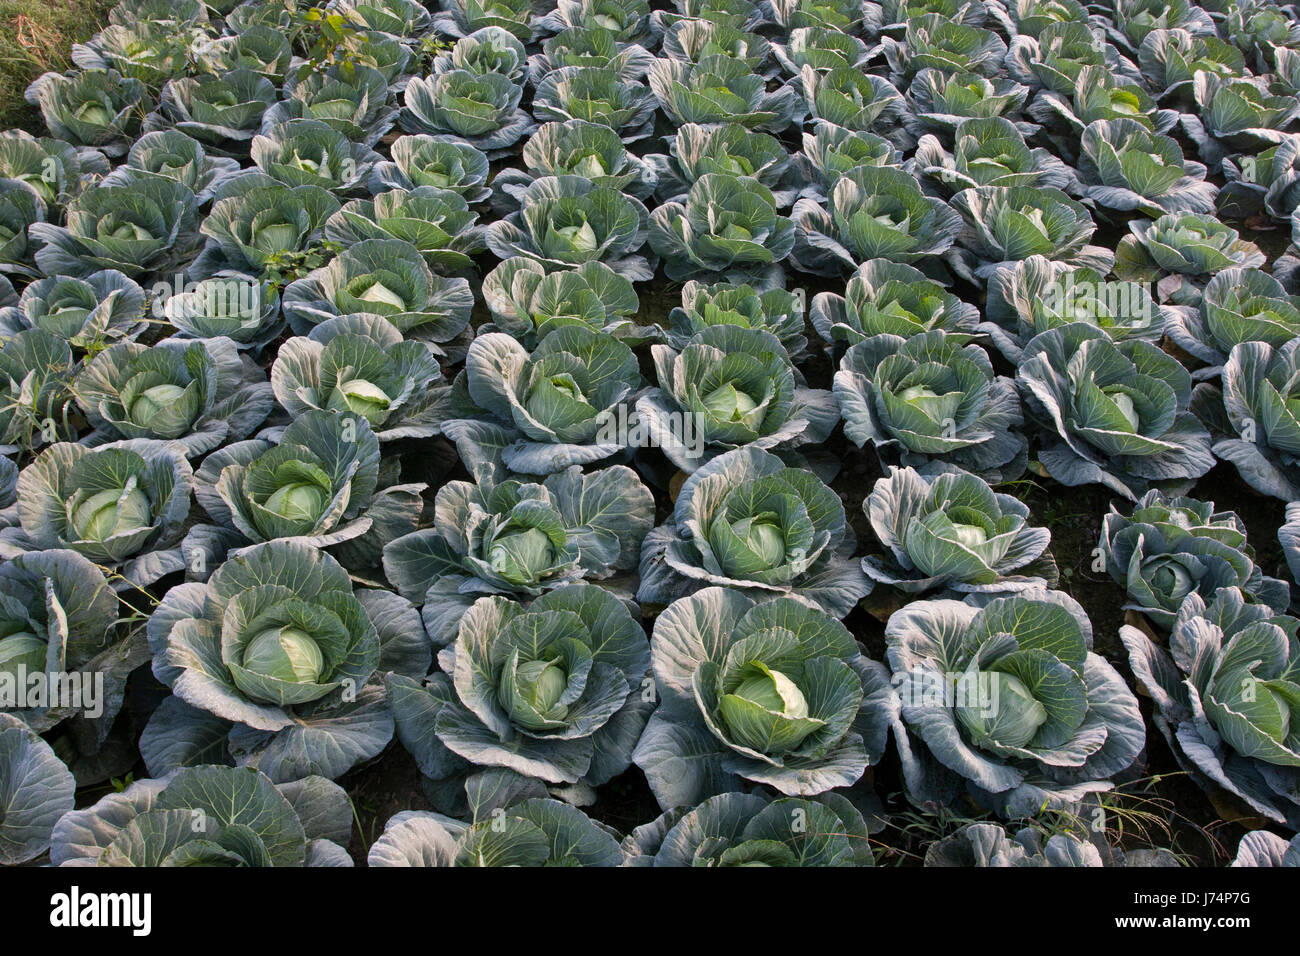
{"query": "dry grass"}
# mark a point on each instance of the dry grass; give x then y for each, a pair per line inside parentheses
(36, 36)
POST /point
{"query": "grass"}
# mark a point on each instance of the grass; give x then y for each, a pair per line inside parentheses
(37, 36)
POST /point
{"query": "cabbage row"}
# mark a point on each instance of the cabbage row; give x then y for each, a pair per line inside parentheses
(483, 383)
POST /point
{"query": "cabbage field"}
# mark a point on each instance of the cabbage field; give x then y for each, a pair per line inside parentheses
(611, 433)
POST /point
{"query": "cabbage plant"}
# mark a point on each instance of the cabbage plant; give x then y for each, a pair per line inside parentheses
(728, 387)
(8, 482)
(480, 109)
(728, 149)
(387, 277)
(42, 792)
(851, 99)
(275, 15)
(443, 162)
(318, 485)
(1180, 251)
(1169, 548)
(461, 18)
(990, 845)
(1287, 266)
(988, 152)
(527, 302)
(590, 46)
(1260, 29)
(1038, 294)
(122, 504)
(1238, 305)
(231, 305)
(565, 221)
(596, 95)
(1235, 114)
(437, 222)
(1254, 416)
(1124, 167)
(1006, 700)
(575, 147)
(143, 228)
(930, 397)
(36, 370)
(197, 393)
(402, 18)
(890, 17)
(512, 821)
(1171, 58)
(1002, 225)
(830, 151)
(1112, 413)
(933, 41)
(103, 307)
(1285, 78)
(821, 48)
(746, 829)
(359, 365)
(383, 52)
(280, 647)
(848, 16)
(307, 152)
(141, 49)
(1262, 848)
(56, 171)
(170, 154)
(728, 227)
(629, 21)
(1224, 692)
(1267, 182)
(1098, 93)
(246, 821)
(889, 298)
(59, 616)
(97, 108)
(872, 212)
(519, 539)
(772, 693)
(552, 690)
(257, 220)
(20, 209)
(1053, 59)
(491, 49)
(748, 522)
(558, 405)
(719, 89)
(1134, 20)
(948, 531)
(938, 101)
(224, 111)
(692, 40)
(257, 48)
(726, 303)
(1288, 536)
(351, 98)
